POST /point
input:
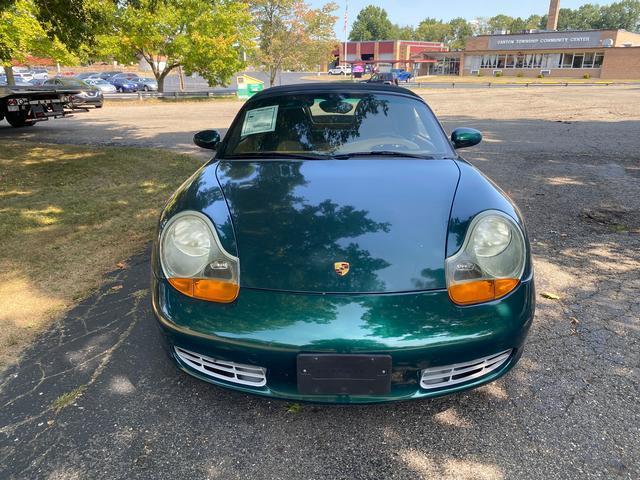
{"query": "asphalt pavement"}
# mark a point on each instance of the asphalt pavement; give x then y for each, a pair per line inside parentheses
(97, 397)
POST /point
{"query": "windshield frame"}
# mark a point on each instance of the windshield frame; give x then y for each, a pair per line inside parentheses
(250, 104)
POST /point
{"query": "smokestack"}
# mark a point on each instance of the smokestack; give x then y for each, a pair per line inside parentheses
(552, 18)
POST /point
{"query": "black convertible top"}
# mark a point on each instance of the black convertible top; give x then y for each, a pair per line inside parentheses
(333, 87)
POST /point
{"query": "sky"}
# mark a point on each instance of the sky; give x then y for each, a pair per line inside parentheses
(411, 12)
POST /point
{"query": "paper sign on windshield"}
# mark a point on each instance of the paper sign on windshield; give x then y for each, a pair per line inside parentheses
(260, 120)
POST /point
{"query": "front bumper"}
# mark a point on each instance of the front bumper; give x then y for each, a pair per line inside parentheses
(419, 330)
(82, 101)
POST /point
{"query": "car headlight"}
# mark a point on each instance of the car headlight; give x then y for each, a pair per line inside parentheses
(194, 261)
(491, 261)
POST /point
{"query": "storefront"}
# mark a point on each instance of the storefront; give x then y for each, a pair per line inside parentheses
(432, 63)
(591, 54)
(384, 53)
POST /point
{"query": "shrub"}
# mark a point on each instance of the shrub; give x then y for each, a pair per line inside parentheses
(540, 75)
(520, 74)
(586, 76)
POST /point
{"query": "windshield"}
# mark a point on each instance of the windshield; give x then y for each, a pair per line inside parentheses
(72, 82)
(329, 124)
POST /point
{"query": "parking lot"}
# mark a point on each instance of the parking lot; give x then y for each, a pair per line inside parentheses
(569, 158)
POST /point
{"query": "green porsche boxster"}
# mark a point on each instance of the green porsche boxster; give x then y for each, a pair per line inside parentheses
(338, 249)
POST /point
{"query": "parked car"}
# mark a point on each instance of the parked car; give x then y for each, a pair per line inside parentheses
(340, 70)
(25, 77)
(23, 73)
(124, 83)
(108, 75)
(85, 75)
(401, 74)
(147, 84)
(89, 94)
(40, 73)
(102, 85)
(19, 81)
(387, 78)
(129, 75)
(332, 286)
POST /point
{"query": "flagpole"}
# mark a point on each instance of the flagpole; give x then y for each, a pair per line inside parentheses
(346, 20)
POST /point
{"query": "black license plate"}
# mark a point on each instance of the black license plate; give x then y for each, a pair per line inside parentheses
(353, 374)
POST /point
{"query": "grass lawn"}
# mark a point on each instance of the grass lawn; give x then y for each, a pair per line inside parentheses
(68, 215)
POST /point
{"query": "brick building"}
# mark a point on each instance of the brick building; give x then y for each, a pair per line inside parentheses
(396, 53)
(585, 53)
(604, 54)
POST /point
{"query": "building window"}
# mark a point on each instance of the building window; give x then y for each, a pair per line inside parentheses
(535, 60)
(597, 62)
(553, 60)
(577, 60)
(537, 63)
(588, 60)
(472, 62)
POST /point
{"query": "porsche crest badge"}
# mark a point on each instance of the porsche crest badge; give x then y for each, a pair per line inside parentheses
(341, 268)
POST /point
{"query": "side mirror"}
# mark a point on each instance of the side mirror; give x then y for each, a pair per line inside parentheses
(465, 137)
(207, 139)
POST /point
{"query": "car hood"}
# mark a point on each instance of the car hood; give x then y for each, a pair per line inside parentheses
(386, 218)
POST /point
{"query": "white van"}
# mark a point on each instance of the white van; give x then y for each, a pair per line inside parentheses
(340, 70)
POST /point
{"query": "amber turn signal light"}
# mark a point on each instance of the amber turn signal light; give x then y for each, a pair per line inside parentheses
(206, 289)
(481, 290)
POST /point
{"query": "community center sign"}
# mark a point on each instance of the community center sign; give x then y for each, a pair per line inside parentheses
(545, 40)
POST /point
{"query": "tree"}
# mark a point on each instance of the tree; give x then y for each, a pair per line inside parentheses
(73, 22)
(500, 22)
(22, 34)
(517, 25)
(533, 22)
(406, 32)
(432, 30)
(454, 33)
(292, 35)
(514, 25)
(587, 17)
(624, 14)
(204, 36)
(480, 26)
(372, 23)
(459, 30)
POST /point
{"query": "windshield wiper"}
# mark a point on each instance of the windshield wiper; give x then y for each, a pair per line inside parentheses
(259, 155)
(382, 153)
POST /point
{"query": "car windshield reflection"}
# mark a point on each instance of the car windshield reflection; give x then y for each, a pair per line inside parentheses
(329, 125)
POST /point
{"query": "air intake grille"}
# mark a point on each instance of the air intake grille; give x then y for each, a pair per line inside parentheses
(437, 377)
(229, 371)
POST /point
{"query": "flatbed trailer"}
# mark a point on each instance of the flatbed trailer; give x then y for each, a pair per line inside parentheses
(24, 106)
